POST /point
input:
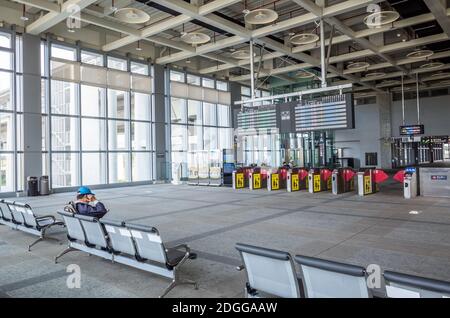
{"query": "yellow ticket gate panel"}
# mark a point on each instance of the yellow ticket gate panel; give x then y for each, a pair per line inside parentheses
(238, 180)
(293, 182)
(255, 181)
(274, 182)
(367, 185)
(317, 183)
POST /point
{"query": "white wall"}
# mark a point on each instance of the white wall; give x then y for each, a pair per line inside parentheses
(434, 114)
(364, 138)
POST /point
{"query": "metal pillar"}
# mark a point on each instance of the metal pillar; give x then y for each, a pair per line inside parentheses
(418, 98)
(322, 54)
(252, 71)
(403, 102)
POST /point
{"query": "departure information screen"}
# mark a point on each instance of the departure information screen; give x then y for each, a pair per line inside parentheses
(412, 130)
(328, 112)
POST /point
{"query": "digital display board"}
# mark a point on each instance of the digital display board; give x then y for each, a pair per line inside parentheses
(261, 118)
(328, 112)
(412, 130)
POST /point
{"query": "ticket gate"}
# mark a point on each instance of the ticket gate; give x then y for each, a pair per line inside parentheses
(277, 180)
(366, 182)
(257, 179)
(240, 178)
(410, 183)
(319, 180)
(342, 180)
(297, 179)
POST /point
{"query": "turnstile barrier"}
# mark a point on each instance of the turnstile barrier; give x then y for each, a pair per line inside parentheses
(241, 178)
(277, 180)
(342, 180)
(297, 179)
(319, 180)
(369, 180)
(257, 179)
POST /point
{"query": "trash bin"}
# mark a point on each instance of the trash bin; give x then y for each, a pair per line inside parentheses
(32, 185)
(44, 185)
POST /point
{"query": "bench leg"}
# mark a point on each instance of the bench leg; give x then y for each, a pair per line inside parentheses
(169, 288)
(67, 250)
(34, 243)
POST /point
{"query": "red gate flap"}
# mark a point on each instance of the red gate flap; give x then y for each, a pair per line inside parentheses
(379, 176)
(399, 176)
(326, 174)
(348, 174)
(302, 174)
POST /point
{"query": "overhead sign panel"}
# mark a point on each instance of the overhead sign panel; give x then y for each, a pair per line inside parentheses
(412, 130)
(328, 112)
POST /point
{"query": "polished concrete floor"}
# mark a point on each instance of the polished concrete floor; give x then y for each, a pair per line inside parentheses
(377, 229)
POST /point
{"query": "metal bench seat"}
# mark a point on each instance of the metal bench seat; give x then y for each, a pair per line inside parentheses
(400, 285)
(269, 272)
(20, 216)
(329, 279)
(134, 245)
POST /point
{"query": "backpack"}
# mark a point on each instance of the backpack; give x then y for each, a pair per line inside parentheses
(70, 207)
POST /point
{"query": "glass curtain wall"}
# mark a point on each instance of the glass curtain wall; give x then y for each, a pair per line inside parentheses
(11, 115)
(200, 115)
(97, 117)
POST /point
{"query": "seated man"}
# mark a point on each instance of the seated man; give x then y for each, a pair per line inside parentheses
(88, 205)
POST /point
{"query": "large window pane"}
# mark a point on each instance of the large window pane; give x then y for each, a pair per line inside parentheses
(207, 82)
(139, 68)
(193, 80)
(5, 40)
(225, 139)
(209, 114)
(64, 98)
(92, 58)
(63, 52)
(118, 64)
(222, 86)
(177, 76)
(142, 165)
(6, 172)
(178, 110)
(179, 164)
(44, 100)
(141, 106)
(119, 164)
(5, 90)
(179, 135)
(43, 59)
(92, 101)
(94, 168)
(6, 59)
(93, 134)
(210, 138)
(195, 138)
(117, 104)
(64, 133)
(118, 132)
(6, 132)
(223, 115)
(140, 136)
(194, 112)
(65, 170)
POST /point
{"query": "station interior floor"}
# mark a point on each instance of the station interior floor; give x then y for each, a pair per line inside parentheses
(376, 229)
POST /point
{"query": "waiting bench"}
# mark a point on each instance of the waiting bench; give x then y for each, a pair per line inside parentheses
(272, 272)
(134, 245)
(20, 216)
(400, 285)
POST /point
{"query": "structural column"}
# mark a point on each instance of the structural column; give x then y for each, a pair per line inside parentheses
(160, 131)
(384, 107)
(32, 116)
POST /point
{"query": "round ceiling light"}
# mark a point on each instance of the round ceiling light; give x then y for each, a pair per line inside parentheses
(431, 65)
(260, 16)
(375, 75)
(195, 38)
(378, 19)
(304, 38)
(242, 54)
(420, 54)
(131, 15)
(358, 66)
(304, 74)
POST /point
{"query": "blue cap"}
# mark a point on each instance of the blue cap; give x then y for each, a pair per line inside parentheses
(84, 191)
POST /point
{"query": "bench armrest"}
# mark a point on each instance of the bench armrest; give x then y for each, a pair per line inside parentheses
(38, 218)
(184, 246)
